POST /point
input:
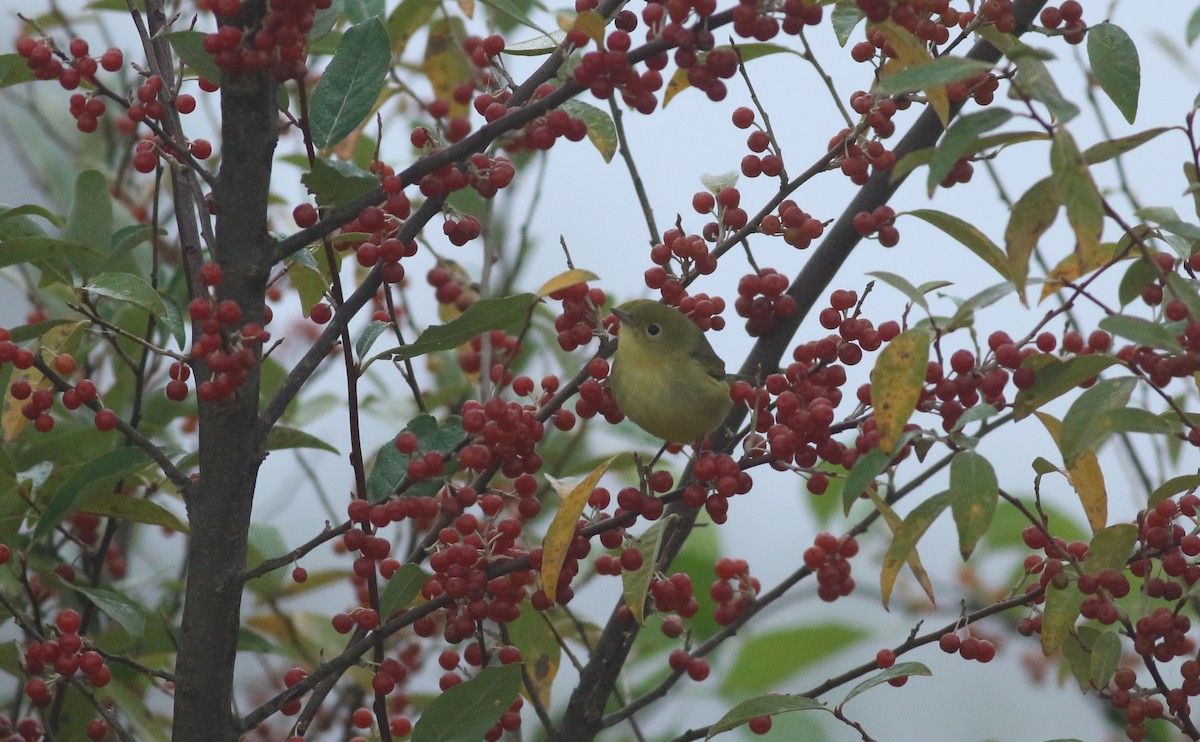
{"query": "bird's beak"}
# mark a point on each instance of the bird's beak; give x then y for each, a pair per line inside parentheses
(622, 315)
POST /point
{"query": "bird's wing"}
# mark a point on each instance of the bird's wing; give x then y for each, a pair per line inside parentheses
(704, 353)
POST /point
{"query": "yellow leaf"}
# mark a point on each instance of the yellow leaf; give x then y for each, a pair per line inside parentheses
(446, 64)
(896, 383)
(911, 52)
(1085, 477)
(562, 528)
(566, 280)
(913, 559)
(467, 7)
(58, 339)
(1079, 263)
(589, 21)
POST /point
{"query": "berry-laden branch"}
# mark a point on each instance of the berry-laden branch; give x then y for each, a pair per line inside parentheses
(583, 717)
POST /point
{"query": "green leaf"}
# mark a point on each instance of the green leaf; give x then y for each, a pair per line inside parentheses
(901, 284)
(1110, 548)
(172, 319)
(541, 653)
(403, 586)
(1106, 655)
(465, 712)
(1032, 214)
(358, 11)
(1141, 273)
(969, 235)
(369, 334)
(1085, 207)
(1141, 332)
(964, 316)
(281, 437)
(133, 509)
(904, 540)
(189, 46)
(1184, 290)
(513, 11)
(1172, 487)
(538, 45)
(765, 660)
(1055, 378)
(122, 609)
(961, 140)
(943, 70)
(1115, 64)
(1139, 420)
(391, 466)
(96, 475)
(902, 670)
(1033, 79)
(636, 584)
(350, 85)
(324, 19)
(129, 289)
(1111, 148)
(90, 219)
(30, 227)
(769, 705)
(601, 130)
(14, 70)
(337, 182)
(17, 250)
(863, 474)
(408, 18)
(1083, 426)
(974, 493)
(1193, 27)
(507, 313)
(1058, 617)
(844, 18)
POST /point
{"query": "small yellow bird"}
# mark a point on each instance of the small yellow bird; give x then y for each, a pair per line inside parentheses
(665, 375)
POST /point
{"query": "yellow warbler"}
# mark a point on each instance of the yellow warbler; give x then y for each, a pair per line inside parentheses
(665, 376)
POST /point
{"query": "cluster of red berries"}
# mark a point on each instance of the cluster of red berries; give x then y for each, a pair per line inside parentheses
(856, 159)
(40, 56)
(280, 43)
(1138, 707)
(596, 398)
(717, 478)
(608, 70)
(674, 595)
(879, 113)
(981, 86)
(762, 301)
(879, 222)
(507, 436)
(829, 557)
(505, 348)
(697, 668)
(537, 135)
(64, 656)
(43, 58)
(1068, 17)
(483, 51)
(577, 323)
(227, 351)
(969, 648)
(28, 729)
(733, 589)
(689, 251)
(449, 288)
(797, 227)
(461, 231)
(752, 19)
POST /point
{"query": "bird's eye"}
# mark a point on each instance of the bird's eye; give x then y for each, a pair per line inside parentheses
(652, 330)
